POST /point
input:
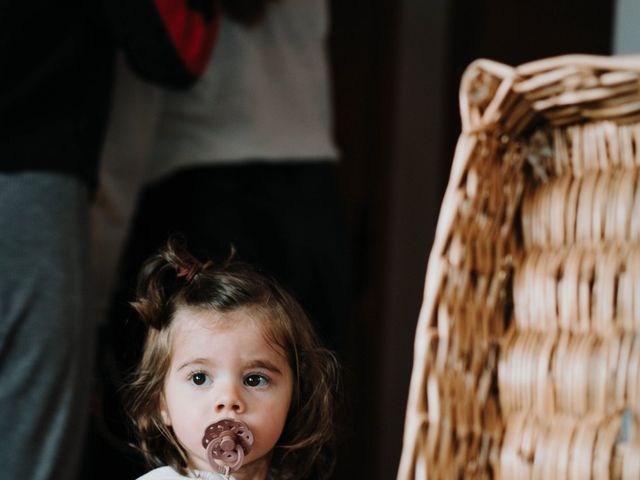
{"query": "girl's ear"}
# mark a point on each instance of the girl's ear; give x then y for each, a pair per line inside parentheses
(166, 419)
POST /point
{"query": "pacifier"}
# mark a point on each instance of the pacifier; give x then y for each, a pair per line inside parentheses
(227, 441)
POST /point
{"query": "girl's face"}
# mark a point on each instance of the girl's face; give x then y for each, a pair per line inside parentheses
(223, 367)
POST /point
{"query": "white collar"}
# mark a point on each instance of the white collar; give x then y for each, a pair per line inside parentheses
(202, 475)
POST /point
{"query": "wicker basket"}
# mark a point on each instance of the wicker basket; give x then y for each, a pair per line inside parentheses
(527, 363)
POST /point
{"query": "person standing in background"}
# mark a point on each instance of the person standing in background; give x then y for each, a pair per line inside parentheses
(57, 60)
(246, 158)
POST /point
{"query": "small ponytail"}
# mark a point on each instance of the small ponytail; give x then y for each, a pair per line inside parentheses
(161, 279)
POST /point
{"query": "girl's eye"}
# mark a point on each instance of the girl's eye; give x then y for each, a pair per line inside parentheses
(200, 378)
(255, 380)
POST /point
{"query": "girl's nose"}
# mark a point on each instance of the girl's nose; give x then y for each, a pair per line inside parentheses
(229, 400)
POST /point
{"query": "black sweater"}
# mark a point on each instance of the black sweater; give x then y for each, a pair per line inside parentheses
(56, 71)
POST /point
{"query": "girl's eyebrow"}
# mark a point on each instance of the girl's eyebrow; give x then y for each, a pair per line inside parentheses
(266, 364)
(258, 363)
(195, 361)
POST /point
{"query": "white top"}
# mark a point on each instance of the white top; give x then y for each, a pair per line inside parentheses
(168, 473)
(265, 96)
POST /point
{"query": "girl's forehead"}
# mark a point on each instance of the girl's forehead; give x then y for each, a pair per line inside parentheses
(193, 318)
(195, 324)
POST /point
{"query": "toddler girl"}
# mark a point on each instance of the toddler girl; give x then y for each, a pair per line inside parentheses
(232, 382)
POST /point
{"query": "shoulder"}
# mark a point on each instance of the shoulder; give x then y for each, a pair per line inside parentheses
(162, 473)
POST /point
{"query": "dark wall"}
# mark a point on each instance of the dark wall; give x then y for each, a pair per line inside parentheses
(362, 48)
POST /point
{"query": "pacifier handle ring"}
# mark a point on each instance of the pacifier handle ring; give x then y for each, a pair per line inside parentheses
(238, 463)
(235, 466)
(219, 468)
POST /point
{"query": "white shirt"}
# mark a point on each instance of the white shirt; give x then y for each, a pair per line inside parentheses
(265, 96)
(168, 473)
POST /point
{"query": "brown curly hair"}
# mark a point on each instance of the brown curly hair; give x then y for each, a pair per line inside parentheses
(173, 279)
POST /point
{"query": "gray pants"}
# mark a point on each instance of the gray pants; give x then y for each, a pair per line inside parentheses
(45, 337)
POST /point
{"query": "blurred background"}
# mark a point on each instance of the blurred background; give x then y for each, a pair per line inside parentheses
(395, 70)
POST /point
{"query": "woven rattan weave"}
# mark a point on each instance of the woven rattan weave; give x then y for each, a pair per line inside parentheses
(527, 359)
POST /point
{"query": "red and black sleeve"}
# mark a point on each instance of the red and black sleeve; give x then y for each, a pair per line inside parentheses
(168, 42)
